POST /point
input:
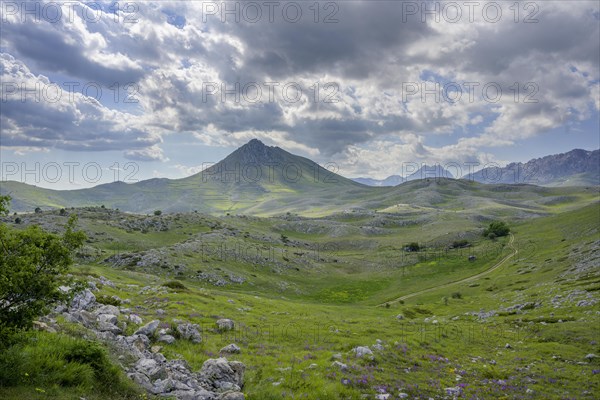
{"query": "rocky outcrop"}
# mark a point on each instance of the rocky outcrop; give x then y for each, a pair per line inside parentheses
(83, 300)
(189, 332)
(218, 379)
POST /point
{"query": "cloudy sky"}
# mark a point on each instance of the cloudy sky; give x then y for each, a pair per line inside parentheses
(94, 92)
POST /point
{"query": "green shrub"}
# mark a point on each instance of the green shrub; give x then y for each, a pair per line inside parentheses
(32, 267)
(456, 295)
(414, 246)
(157, 212)
(496, 229)
(175, 285)
(48, 360)
(459, 244)
(108, 300)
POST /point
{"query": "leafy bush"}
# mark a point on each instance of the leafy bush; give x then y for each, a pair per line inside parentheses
(175, 285)
(32, 268)
(459, 244)
(496, 229)
(157, 212)
(108, 300)
(414, 246)
(457, 295)
(38, 210)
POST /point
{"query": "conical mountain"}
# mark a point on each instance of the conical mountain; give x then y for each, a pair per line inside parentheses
(270, 168)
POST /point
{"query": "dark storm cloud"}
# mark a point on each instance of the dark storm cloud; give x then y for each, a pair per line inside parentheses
(369, 49)
(364, 35)
(47, 49)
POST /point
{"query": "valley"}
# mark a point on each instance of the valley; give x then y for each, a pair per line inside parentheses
(464, 316)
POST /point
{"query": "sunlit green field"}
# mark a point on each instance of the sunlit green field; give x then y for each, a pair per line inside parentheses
(305, 291)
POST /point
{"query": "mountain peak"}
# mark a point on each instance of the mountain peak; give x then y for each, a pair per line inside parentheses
(255, 152)
(254, 143)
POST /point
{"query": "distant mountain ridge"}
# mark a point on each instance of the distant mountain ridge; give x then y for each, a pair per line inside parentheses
(392, 180)
(424, 172)
(257, 179)
(575, 168)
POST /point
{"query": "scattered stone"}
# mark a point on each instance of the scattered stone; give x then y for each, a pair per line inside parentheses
(107, 309)
(136, 319)
(141, 380)
(378, 347)
(362, 351)
(339, 365)
(42, 326)
(155, 349)
(399, 317)
(103, 281)
(220, 374)
(139, 342)
(148, 329)
(507, 346)
(225, 324)
(189, 332)
(108, 327)
(86, 318)
(590, 356)
(453, 391)
(150, 368)
(83, 300)
(107, 318)
(168, 339)
(231, 349)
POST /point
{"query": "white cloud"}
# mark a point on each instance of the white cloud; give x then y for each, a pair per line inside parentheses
(370, 53)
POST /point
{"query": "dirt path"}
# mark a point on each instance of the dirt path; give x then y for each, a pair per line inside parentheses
(468, 279)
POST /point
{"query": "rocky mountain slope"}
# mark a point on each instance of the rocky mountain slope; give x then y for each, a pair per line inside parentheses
(574, 168)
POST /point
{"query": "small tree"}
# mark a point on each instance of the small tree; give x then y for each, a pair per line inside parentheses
(32, 267)
(157, 212)
(62, 212)
(38, 210)
(414, 246)
(496, 229)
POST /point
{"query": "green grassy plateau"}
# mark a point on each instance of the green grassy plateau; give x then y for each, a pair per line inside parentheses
(307, 280)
